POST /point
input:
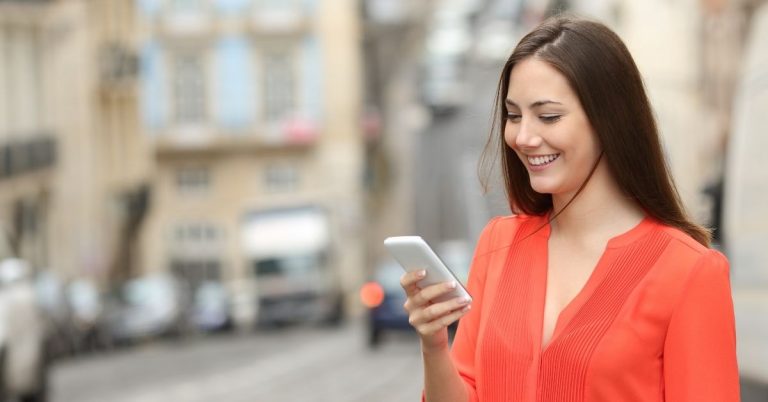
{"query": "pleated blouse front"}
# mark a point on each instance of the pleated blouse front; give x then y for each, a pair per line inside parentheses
(654, 322)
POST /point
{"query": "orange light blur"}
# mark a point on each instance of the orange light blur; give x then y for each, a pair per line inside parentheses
(371, 294)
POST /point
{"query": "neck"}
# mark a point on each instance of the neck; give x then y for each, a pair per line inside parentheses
(601, 209)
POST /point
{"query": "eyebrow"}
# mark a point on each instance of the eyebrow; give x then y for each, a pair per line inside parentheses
(534, 104)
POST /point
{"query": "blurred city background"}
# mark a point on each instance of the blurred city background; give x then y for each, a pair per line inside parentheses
(194, 193)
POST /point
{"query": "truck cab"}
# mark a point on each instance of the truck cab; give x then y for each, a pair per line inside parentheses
(289, 266)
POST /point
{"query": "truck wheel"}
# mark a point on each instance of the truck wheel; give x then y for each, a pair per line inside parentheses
(336, 316)
(374, 337)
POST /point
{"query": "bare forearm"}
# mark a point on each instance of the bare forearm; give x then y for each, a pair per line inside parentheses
(442, 382)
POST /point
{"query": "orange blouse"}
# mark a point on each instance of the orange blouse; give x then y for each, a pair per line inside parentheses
(654, 322)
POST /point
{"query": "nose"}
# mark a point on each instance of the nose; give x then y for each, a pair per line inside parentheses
(525, 135)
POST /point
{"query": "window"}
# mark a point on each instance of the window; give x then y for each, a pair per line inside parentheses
(186, 5)
(189, 89)
(296, 266)
(281, 177)
(20, 83)
(279, 82)
(278, 4)
(196, 235)
(195, 272)
(193, 180)
(273, 3)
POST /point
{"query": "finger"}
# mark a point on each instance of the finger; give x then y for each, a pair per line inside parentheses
(433, 291)
(409, 281)
(443, 322)
(438, 310)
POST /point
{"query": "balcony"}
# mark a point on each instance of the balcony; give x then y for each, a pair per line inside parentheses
(288, 18)
(186, 23)
(25, 156)
(394, 12)
(295, 132)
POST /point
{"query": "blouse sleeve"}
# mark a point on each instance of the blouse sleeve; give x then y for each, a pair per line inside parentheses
(465, 341)
(700, 348)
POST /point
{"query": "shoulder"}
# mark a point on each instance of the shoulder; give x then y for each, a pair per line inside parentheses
(507, 226)
(685, 259)
(500, 232)
(511, 224)
(684, 245)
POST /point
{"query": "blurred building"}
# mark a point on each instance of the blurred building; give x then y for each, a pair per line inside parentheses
(393, 37)
(103, 165)
(28, 139)
(253, 107)
(123, 157)
(72, 161)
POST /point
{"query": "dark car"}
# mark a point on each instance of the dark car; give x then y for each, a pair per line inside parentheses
(384, 296)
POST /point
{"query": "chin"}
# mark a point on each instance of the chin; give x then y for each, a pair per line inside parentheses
(543, 187)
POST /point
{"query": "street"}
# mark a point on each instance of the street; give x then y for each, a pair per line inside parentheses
(292, 364)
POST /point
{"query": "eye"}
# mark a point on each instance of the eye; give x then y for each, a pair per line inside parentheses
(549, 118)
(513, 117)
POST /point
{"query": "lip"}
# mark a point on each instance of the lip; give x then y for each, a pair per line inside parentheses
(539, 168)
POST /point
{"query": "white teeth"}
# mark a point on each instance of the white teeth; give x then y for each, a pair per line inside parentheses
(542, 160)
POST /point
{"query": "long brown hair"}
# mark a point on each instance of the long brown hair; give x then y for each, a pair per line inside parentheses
(602, 73)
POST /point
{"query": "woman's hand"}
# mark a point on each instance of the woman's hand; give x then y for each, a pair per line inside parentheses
(431, 320)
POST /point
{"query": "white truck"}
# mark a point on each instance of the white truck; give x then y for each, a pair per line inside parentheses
(290, 274)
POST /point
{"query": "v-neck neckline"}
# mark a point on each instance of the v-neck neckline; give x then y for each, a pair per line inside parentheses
(597, 275)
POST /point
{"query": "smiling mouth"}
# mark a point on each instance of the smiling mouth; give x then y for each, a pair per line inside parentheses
(542, 160)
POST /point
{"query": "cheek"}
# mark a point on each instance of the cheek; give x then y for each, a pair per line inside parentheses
(509, 135)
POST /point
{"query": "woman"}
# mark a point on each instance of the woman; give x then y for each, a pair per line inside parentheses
(600, 288)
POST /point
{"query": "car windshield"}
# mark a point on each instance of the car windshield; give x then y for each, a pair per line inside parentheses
(83, 295)
(295, 266)
(210, 294)
(147, 292)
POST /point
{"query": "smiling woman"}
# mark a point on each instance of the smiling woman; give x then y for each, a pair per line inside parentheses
(598, 287)
(551, 134)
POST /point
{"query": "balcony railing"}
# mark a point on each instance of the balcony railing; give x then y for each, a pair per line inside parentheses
(292, 132)
(29, 155)
(291, 17)
(187, 23)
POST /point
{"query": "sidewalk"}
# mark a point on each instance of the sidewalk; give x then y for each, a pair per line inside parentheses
(751, 309)
(753, 391)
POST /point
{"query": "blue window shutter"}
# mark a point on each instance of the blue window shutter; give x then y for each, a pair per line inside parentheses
(232, 6)
(234, 97)
(148, 8)
(312, 90)
(154, 96)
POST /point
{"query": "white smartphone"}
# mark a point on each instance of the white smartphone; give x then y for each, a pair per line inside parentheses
(413, 254)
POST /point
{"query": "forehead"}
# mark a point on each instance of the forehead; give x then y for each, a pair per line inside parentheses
(532, 80)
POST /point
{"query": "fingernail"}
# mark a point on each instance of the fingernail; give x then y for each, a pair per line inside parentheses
(421, 273)
(466, 308)
(452, 284)
(464, 300)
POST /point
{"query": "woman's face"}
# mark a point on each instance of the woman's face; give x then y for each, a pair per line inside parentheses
(548, 129)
